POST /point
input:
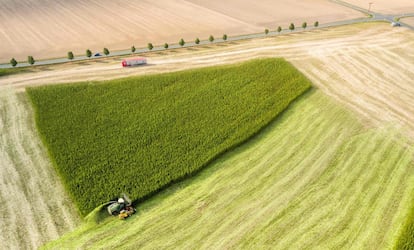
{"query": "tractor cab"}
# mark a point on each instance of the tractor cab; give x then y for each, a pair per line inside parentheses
(121, 207)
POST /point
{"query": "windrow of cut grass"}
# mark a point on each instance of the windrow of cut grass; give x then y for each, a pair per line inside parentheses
(138, 135)
(313, 179)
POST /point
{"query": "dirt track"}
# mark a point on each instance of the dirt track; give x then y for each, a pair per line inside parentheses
(369, 67)
(49, 28)
(35, 209)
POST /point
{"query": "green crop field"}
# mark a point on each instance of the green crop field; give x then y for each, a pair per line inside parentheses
(137, 135)
(315, 178)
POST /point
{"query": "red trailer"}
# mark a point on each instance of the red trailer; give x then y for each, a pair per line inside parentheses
(128, 62)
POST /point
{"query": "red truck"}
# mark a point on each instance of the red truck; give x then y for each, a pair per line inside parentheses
(128, 62)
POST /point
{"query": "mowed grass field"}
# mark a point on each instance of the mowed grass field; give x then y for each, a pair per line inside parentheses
(313, 179)
(140, 134)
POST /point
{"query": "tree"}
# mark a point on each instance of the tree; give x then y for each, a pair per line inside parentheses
(211, 38)
(279, 29)
(13, 62)
(266, 31)
(30, 60)
(224, 37)
(197, 40)
(150, 46)
(166, 46)
(304, 25)
(106, 51)
(291, 27)
(316, 24)
(70, 55)
(88, 53)
(181, 42)
(133, 49)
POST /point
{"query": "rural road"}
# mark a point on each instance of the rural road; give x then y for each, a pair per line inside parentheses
(374, 17)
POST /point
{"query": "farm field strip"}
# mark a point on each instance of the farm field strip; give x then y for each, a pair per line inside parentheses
(348, 188)
(48, 29)
(35, 208)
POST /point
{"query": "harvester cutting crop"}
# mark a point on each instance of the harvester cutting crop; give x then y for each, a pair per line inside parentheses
(121, 207)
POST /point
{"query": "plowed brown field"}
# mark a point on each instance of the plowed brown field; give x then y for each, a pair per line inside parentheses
(49, 28)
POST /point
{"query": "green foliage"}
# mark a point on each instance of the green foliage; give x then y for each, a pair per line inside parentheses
(197, 40)
(292, 27)
(279, 29)
(137, 135)
(266, 31)
(150, 46)
(181, 42)
(211, 38)
(70, 55)
(88, 53)
(406, 239)
(106, 51)
(165, 45)
(133, 49)
(30, 60)
(316, 24)
(304, 25)
(225, 37)
(13, 62)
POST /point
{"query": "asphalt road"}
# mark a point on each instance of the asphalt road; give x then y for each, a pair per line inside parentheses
(372, 17)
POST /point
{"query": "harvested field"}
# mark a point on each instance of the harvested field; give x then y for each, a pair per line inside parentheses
(35, 208)
(385, 6)
(314, 179)
(50, 28)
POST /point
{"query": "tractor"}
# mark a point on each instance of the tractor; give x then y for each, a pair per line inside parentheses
(121, 207)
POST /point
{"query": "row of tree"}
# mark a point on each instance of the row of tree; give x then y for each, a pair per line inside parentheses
(150, 46)
(292, 27)
(30, 60)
